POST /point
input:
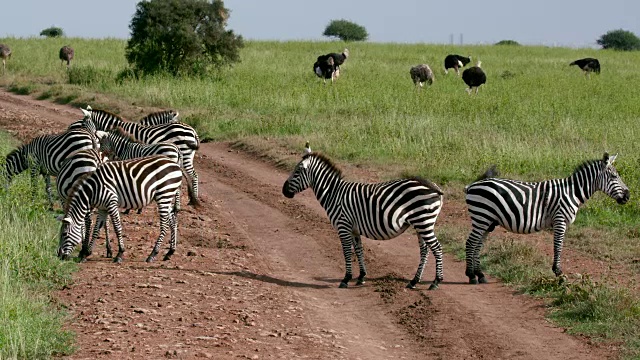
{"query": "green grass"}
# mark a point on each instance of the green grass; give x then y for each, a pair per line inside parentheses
(31, 325)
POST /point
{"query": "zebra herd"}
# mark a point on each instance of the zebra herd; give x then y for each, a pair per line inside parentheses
(152, 158)
(382, 211)
(103, 162)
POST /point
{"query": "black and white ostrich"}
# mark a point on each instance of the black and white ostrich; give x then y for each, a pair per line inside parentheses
(421, 74)
(474, 77)
(66, 54)
(325, 68)
(588, 65)
(455, 62)
(339, 59)
(5, 53)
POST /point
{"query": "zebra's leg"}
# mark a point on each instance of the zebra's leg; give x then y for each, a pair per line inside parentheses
(424, 253)
(126, 212)
(173, 223)
(114, 213)
(88, 243)
(164, 211)
(559, 229)
(436, 249)
(139, 211)
(107, 243)
(47, 184)
(472, 250)
(176, 206)
(357, 245)
(346, 238)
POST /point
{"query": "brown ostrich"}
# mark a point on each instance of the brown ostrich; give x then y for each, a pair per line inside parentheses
(66, 54)
(5, 53)
(421, 74)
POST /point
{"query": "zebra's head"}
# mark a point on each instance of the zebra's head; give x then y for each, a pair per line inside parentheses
(70, 236)
(610, 183)
(16, 162)
(299, 178)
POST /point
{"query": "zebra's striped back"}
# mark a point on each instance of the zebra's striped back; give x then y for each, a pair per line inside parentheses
(527, 207)
(378, 211)
(118, 145)
(130, 184)
(76, 166)
(160, 118)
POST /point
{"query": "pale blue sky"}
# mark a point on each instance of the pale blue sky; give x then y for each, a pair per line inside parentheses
(547, 22)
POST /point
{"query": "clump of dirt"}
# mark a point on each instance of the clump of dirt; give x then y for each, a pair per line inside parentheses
(388, 287)
(417, 317)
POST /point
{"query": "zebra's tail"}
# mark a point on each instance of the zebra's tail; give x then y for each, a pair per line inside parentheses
(430, 184)
(193, 199)
(491, 172)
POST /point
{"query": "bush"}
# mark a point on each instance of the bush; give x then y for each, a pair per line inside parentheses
(52, 32)
(346, 31)
(619, 40)
(508, 42)
(181, 37)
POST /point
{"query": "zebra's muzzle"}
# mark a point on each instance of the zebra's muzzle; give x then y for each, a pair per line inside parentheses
(626, 195)
(285, 190)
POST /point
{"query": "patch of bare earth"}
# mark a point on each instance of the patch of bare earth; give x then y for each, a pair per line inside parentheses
(255, 276)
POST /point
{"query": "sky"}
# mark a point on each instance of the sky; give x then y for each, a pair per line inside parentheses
(574, 23)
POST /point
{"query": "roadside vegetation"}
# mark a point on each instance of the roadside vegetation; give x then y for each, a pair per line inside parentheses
(536, 118)
(31, 325)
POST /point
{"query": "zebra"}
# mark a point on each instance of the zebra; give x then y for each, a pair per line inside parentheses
(129, 184)
(160, 118)
(119, 145)
(74, 167)
(527, 207)
(183, 135)
(44, 155)
(379, 211)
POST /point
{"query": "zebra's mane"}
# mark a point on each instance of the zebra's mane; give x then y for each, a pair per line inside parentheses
(108, 113)
(584, 165)
(74, 189)
(326, 161)
(161, 112)
(120, 132)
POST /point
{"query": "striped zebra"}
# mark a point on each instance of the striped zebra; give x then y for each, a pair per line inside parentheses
(117, 144)
(73, 168)
(182, 135)
(160, 118)
(379, 211)
(45, 154)
(129, 184)
(527, 207)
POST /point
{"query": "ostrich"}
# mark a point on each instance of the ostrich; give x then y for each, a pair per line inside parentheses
(325, 68)
(5, 53)
(66, 54)
(456, 62)
(588, 65)
(339, 59)
(474, 77)
(420, 74)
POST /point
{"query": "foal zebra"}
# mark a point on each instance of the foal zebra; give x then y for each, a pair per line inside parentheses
(182, 135)
(73, 168)
(527, 207)
(44, 155)
(160, 118)
(130, 184)
(379, 211)
(119, 145)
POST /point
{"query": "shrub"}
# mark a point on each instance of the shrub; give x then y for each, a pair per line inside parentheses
(52, 32)
(346, 30)
(619, 40)
(508, 42)
(181, 37)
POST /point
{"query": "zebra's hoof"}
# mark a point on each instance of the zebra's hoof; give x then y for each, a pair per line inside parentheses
(411, 286)
(150, 259)
(433, 286)
(343, 285)
(482, 280)
(109, 254)
(166, 257)
(360, 282)
(82, 259)
(473, 281)
(117, 260)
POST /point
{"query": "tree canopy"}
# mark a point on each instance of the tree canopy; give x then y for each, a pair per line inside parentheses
(619, 40)
(346, 30)
(52, 32)
(181, 37)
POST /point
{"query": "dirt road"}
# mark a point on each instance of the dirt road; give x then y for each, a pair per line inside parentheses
(256, 275)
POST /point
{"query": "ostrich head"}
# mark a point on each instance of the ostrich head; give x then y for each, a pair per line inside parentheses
(345, 52)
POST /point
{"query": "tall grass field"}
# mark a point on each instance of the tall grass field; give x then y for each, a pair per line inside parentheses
(31, 326)
(535, 118)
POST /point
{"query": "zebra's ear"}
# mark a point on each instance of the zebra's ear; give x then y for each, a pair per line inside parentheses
(307, 149)
(89, 107)
(100, 134)
(612, 159)
(85, 112)
(62, 219)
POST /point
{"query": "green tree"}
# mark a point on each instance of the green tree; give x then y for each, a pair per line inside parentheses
(181, 37)
(52, 32)
(619, 40)
(346, 30)
(508, 42)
